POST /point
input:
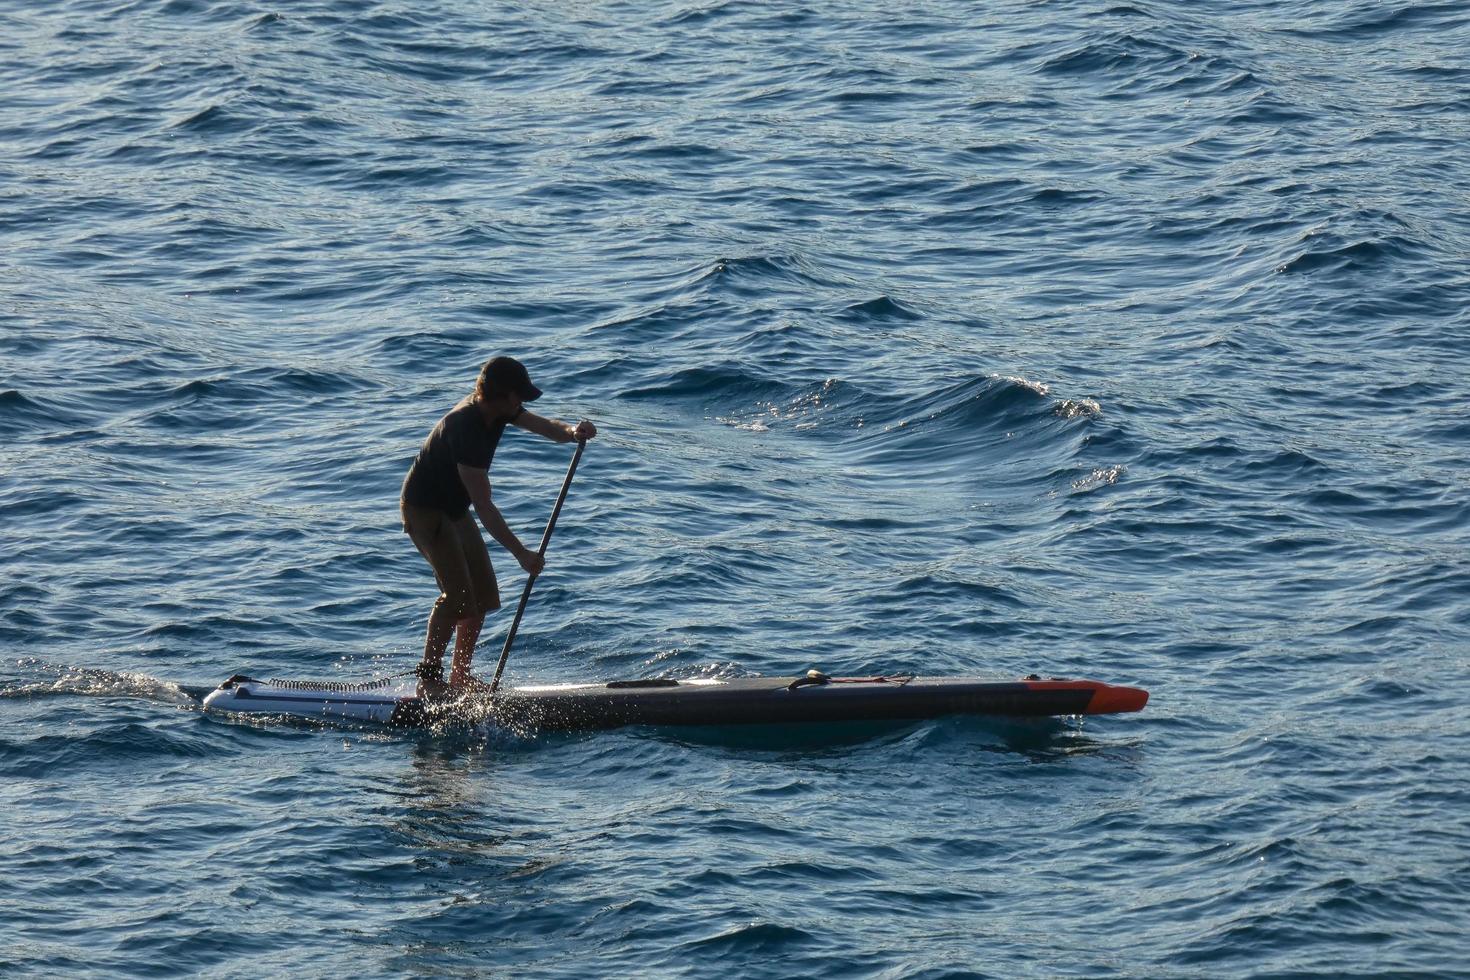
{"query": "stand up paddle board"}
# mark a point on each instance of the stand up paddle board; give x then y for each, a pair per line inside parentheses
(810, 698)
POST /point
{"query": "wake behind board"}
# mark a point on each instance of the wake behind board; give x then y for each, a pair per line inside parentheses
(813, 698)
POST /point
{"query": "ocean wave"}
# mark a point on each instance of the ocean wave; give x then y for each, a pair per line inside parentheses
(753, 939)
(34, 502)
(879, 309)
(1357, 257)
(258, 384)
(1106, 54)
(30, 414)
(1360, 22)
(979, 408)
(215, 120)
(41, 678)
(102, 748)
(1267, 108)
(988, 403)
(744, 274)
(722, 383)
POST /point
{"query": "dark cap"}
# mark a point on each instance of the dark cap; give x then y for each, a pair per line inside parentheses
(502, 374)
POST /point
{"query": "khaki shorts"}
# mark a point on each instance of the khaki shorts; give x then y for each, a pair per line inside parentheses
(456, 552)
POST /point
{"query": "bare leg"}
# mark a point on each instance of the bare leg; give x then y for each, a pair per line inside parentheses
(467, 632)
(441, 627)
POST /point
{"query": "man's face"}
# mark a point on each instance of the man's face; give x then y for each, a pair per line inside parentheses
(502, 406)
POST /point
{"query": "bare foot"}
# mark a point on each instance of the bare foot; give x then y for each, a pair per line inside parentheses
(470, 686)
(433, 689)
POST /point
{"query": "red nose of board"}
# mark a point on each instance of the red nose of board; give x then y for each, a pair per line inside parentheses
(1107, 700)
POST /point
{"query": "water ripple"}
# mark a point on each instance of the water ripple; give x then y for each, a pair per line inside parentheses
(1094, 338)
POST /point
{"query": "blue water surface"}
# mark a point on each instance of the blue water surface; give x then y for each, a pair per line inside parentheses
(1123, 340)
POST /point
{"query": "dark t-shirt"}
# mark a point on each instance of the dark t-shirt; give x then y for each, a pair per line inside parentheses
(462, 436)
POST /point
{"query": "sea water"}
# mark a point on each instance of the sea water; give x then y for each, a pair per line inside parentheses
(1117, 339)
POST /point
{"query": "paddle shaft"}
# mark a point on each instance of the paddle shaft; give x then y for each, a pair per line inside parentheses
(515, 624)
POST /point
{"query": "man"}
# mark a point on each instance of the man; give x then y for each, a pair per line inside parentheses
(451, 473)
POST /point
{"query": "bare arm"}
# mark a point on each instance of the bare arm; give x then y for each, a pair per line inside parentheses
(554, 430)
(477, 483)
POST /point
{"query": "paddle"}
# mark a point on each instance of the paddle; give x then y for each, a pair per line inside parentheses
(531, 580)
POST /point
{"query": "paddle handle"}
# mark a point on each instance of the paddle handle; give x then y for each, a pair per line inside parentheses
(515, 624)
